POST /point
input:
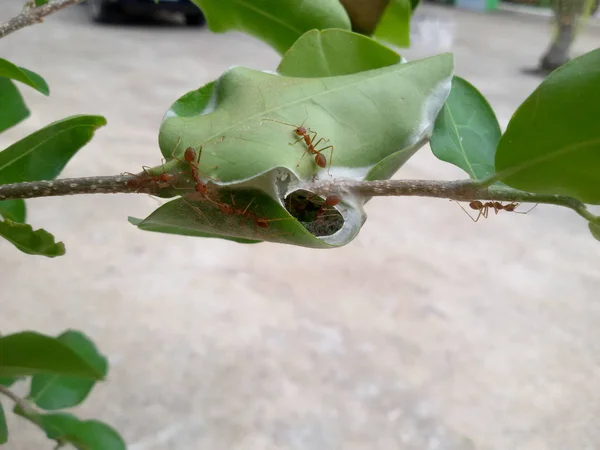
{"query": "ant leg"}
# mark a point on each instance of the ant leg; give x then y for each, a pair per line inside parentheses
(297, 140)
(467, 212)
(525, 212)
(305, 152)
(196, 209)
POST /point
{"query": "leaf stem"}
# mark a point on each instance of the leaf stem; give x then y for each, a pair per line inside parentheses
(30, 16)
(20, 402)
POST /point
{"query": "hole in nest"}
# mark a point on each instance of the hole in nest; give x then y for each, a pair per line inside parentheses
(310, 210)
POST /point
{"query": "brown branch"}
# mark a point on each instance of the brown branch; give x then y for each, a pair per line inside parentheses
(72, 186)
(20, 402)
(29, 15)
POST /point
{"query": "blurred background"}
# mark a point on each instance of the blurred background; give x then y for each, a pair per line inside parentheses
(428, 331)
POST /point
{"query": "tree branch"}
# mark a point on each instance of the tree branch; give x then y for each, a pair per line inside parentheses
(29, 16)
(21, 403)
(72, 186)
(461, 190)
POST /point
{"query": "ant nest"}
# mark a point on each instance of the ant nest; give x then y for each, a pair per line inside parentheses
(319, 216)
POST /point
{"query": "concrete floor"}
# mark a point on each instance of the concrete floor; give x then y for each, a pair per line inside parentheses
(426, 332)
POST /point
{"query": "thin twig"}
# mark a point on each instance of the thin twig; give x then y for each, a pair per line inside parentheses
(463, 191)
(72, 186)
(30, 16)
(21, 403)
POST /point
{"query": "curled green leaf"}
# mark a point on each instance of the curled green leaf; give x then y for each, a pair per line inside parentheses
(32, 79)
(13, 210)
(394, 24)
(552, 142)
(29, 353)
(13, 106)
(38, 242)
(466, 132)
(335, 52)
(277, 22)
(43, 155)
(52, 391)
(3, 427)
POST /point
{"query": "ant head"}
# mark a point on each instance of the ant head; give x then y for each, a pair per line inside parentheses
(166, 177)
(202, 188)
(300, 131)
(263, 223)
(190, 154)
(321, 160)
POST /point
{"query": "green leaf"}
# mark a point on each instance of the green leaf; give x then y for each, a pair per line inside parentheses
(367, 116)
(394, 24)
(29, 353)
(552, 142)
(38, 242)
(3, 427)
(32, 79)
(277, 22)
(164, 223)
(190, 217)
(8, 381)
(414, 4)
(41, 2)
(466, 132)
(13, 210)
(595, 230)
(334, 52)
(13, 109)
(84, 435)
(52, 392)
(42, 155)
(247, 129)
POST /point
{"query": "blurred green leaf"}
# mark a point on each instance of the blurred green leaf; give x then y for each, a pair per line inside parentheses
(38, 242)
(83, 435)
(394, 24)
(8, 381)
(552, 143)
(29, 353)
(13, 210)
(595, 230)
(53, 392)
(13, 108)
(42, 155)
(414, 4)
(3, 427)
(41, 2)
(32, 79)
(466, 132)
(279, 23)
(334, 52)
(171, 225)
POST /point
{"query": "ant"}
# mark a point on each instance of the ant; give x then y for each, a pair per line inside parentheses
(192, 158)
(142, 180)
(484, 208)
(311, 147)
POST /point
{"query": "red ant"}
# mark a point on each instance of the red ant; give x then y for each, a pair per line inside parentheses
(311, 147)
(484, 208)
(192, 158)
(141, 180)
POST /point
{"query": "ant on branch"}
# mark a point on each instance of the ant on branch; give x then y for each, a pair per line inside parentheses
(484, 208)
(142, 180)
(311, 146)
